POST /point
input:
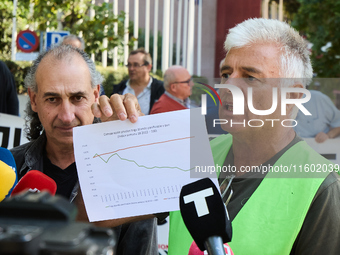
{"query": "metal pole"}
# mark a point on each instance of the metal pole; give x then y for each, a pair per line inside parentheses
(179, 30)
(191, 34)
(31, 25)
(171, 38)
(165, 40)
(136, 25)
(105, 42)
(126, 32)
(155, 38)
(59, 16)
(115, 31)
(273, 10)
(92, 14)
(199, 37)
(281, 10)
(147, 25)
(14, 30)
(185, 33)
(265, 9)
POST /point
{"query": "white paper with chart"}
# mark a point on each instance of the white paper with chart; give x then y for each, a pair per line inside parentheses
(130, 169)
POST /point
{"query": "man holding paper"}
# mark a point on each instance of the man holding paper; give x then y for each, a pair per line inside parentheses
(63, 86)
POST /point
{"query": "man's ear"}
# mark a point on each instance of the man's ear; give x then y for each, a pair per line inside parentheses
(149, 67)
(173, 87)
(294, 95)
(33, 98)
(96, 92)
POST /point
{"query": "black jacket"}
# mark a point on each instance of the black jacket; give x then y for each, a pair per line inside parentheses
(157, 89)
(138, 238)
(9, 102)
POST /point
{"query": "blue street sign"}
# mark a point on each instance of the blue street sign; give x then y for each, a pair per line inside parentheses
(27, 41)
(54, 37)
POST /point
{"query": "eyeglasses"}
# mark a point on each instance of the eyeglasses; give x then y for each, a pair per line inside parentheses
(187, 81)
(135, 65)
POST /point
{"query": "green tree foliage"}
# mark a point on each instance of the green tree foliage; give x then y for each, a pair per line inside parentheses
(319, 21)
(75, 18)
(6, 10)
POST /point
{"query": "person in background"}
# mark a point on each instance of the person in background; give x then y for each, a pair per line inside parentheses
(146, 88)
(178, 86)
(9, 102)
(324, 123)
(74, 40)
(79, 43)
(63, 86)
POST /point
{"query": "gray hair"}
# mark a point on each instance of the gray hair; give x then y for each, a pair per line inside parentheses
(168, 79)
(72, 37)
(62, 52)
(170, 76)
(33, 126)
(294, 61)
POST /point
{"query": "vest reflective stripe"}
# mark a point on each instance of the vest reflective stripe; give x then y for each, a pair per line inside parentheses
(272, 217)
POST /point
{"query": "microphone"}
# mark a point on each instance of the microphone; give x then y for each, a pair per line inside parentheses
(7, 180)
(35, 181)
(7, 157)
(205, 216)
(194, 250)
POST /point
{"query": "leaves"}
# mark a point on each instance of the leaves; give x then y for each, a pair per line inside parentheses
(319, 21)
(74, 18)
(6, 24)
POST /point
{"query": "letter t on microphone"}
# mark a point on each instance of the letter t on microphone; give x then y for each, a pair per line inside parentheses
(199, 200)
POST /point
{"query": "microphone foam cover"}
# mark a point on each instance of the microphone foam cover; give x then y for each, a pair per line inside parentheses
(7, 157)
(35, 181)
(7, 180)
(194, 250)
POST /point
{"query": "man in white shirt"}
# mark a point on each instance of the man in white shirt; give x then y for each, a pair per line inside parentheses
(146, 88)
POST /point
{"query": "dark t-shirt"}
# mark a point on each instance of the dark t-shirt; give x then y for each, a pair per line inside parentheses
(65, 179)
(321, 225)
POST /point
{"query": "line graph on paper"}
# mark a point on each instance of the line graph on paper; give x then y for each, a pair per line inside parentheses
(115, 153)
(128, 165)
(129, 169)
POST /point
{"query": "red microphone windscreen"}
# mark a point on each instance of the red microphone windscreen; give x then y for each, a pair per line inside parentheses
(35, 181)
(194, 250)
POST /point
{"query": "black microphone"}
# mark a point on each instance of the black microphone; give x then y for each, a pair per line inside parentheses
(205, 216)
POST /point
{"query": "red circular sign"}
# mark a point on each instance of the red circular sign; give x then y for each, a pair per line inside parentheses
(27, 41)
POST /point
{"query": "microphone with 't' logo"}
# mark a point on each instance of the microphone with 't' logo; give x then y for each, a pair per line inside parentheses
(206, 218)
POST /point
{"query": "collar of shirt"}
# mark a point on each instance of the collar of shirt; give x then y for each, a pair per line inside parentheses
(143, 98)
(185, 102)
(131, 91)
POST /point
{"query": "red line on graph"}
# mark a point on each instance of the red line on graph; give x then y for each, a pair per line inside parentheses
(143, 145)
